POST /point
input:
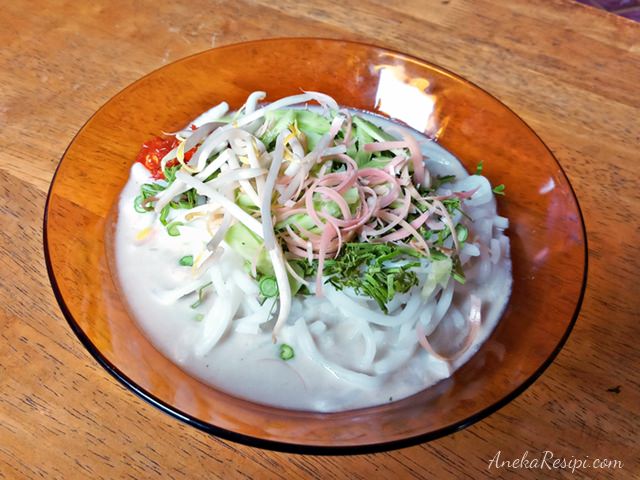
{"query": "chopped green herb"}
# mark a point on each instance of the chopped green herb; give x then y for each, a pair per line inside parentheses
(150, 189)
(462, 232)
(364, 267)
(499, 190)
(437, 255)
(137, 205)
(439, 181)
(303, 267)
(164, 213)
(190, 199)
(198, 317)
(268, 286)
(147, 190)
(443, 235)
(172, 228)
(452, 204)
(286, 352)
(479, 168)
(456, 270)
(187, 200)
(186, 261)
(201, 290)
(170, 174)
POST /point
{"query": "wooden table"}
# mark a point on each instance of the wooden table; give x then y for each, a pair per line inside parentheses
(572, 72)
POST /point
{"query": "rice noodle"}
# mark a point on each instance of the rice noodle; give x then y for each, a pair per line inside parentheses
(351, 308)
(309, 348)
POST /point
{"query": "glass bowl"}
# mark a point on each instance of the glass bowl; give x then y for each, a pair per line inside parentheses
(548, 242)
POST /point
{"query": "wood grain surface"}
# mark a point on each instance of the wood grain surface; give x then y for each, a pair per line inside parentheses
(572, 72)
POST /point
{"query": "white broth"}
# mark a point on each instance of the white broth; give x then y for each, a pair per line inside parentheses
(341, 361)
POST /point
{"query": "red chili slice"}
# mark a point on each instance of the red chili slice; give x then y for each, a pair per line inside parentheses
(154, 150)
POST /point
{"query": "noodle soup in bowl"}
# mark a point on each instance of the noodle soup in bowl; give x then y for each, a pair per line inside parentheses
(451, 118)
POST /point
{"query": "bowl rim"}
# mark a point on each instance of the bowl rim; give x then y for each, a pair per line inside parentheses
(282, 446)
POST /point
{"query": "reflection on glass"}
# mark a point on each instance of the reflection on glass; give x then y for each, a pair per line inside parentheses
(540, 257)
(548, 186)
(405, 99)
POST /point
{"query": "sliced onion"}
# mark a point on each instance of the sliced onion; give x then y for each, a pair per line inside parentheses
(353, 309)
(308, 347)
(218, 319)
(474, 321)
(501, 222)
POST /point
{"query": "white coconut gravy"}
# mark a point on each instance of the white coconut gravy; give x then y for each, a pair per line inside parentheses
(341, 360)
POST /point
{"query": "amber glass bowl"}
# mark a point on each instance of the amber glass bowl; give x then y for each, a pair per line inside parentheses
(547, 236)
